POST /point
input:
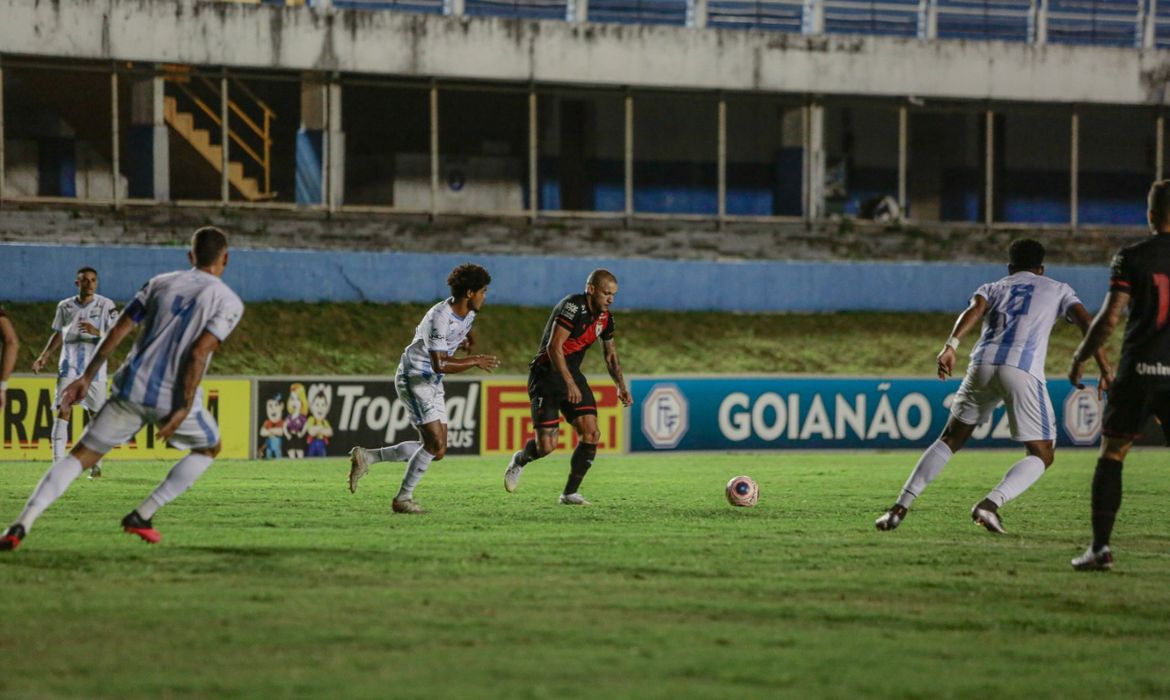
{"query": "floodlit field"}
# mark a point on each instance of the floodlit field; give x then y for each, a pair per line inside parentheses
(273, 581)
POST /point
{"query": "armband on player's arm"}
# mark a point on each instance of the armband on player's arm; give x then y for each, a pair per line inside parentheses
(952, 343)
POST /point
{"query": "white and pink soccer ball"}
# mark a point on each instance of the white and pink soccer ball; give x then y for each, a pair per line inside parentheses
(742, 491)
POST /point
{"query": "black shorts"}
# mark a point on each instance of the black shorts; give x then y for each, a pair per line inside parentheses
(550, 398)
(1132, 400)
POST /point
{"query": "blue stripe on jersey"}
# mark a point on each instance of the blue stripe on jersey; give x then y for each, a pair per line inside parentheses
(1045, 428)
(1005, 344)
(1029, 352)
(130, 371)
(183, 314)
(988, 333)
(212, 438)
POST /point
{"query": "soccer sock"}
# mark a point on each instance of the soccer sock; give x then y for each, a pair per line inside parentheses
(530, 453)
(401, 452)
(58, 436)
(180, 478)
(415, 468)
(930, 465)
(579, 465)
(1106, 500)
(1022, 475)
(52, 485)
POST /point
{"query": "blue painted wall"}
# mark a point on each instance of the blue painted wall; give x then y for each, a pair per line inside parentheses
(43, 273)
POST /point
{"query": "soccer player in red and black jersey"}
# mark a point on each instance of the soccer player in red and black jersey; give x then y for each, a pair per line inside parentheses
(1139, 281)
(557, 387)
(8, 356)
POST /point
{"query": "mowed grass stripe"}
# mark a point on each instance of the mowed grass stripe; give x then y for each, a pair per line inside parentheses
(273, 581)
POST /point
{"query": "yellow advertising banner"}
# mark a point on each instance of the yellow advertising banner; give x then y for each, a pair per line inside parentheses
(506, 417)
(26, 422)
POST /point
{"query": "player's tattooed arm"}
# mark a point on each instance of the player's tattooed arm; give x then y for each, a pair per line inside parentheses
(190, 375)
(1099, 331)
(615, 371)
(1084, 321)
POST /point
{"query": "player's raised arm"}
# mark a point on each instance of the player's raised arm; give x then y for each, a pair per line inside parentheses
(967, 320)
(615, 371)
(556, 354)
(1099, 330)
(8, 358)
(76, 391)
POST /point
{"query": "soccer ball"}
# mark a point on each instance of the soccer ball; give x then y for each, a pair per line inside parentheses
(743, 492)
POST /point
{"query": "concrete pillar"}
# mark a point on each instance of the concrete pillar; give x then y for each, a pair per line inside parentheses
(989, 168)
(148, 158)
(903, 155)
(311, 187)
(1, 132)
(453, 8)
(577, 11)
(812, 19)
(629, 155)
(1074, 169)
(928, 19)
(335, 153)
(814, 161)
(697, 13)
(1159, 145)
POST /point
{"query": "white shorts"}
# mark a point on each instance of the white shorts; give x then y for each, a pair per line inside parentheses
(1029, 410)
(424, 398)
(119, 420)
(94, 399)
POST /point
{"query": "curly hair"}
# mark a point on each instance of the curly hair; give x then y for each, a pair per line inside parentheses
(468, 277)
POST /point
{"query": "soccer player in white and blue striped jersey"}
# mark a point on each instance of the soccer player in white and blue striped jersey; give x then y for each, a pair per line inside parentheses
(185, 316)
(443, 331)
(79, 324)
(1007, 366)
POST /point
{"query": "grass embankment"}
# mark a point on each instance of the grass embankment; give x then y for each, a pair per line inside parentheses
(349, 339)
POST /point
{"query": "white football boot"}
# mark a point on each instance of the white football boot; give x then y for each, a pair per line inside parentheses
(573, 499)
(408, 506)
(513, 472)
(891, 519)
(1099, 560)
(358, 466)
(986, 514)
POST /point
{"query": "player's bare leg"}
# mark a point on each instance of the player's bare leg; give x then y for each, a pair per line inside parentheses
(95, 471)
(433, 448)
(544, 444)
(583, 456)
(180, 478)
(1018, 478)
(929, 466)
(52, 485)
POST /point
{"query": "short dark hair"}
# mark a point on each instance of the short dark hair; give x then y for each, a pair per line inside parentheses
(468, 277)
(600, 275)
(1026, 254)
(85, 269)
(207, 243)
(1159, 199)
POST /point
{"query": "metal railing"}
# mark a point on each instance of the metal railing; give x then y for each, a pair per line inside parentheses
(1123, 23)
(255, 139)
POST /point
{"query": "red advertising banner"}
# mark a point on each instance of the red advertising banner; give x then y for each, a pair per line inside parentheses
(507, 417)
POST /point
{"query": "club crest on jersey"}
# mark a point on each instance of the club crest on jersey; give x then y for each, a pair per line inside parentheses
(570, 308)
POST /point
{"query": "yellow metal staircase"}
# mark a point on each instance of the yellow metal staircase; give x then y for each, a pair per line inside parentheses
(259, 152)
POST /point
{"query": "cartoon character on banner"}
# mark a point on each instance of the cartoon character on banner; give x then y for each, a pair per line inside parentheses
(273, 429)
(320, 399)
(295, 426)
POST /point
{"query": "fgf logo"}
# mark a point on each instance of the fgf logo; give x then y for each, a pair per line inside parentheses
(664, 416)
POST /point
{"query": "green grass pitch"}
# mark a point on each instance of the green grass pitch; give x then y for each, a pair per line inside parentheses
(273, 581)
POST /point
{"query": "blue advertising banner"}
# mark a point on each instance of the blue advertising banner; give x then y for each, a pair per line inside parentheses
(761, 413)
